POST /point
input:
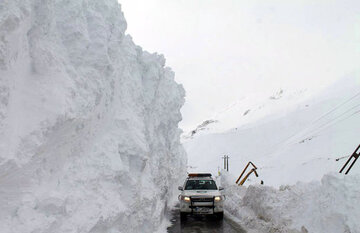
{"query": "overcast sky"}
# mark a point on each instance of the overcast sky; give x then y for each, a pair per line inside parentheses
(221, 50)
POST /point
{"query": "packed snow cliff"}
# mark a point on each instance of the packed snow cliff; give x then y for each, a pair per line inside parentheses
(89, 138)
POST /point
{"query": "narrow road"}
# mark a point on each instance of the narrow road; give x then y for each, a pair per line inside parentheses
(202, 224)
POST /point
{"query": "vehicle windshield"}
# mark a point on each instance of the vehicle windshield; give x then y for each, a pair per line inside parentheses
(200, 185)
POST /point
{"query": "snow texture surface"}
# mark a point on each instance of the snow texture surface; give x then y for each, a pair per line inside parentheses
(89, 138)
(330, 205)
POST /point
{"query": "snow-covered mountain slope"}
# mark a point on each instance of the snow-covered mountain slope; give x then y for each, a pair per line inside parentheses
(250, 109)
(89, 138)
(293, 143)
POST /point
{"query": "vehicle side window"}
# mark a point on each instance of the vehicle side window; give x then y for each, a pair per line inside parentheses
(190, 185)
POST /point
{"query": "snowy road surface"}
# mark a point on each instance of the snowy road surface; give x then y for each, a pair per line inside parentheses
(203, 224)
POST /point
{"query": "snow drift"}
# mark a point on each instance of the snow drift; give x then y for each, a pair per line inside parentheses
(89, 140)
(330, 205)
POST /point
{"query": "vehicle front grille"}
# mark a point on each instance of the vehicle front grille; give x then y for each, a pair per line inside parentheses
(202, 199)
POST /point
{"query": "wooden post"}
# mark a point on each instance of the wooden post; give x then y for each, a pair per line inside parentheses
(247, 176)
(355, 155)
(246, 167)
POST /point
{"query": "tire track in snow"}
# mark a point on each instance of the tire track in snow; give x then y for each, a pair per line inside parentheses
(202, 224)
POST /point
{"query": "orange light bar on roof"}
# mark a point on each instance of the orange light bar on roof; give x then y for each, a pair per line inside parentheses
(199, 174)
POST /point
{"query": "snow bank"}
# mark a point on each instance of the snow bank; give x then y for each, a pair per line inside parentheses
(89, 140)
(328, 206)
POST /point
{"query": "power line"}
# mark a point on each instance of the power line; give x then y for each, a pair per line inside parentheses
(336, 107)
(313, 123)
(338, 121)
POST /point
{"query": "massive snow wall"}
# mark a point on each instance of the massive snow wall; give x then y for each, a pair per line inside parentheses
(89, 140)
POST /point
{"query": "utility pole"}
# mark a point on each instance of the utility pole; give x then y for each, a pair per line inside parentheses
(355, 155)
(227, 163)
(224, 157)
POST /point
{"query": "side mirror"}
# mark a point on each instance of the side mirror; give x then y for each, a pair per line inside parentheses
(181, 188)
(221, 188)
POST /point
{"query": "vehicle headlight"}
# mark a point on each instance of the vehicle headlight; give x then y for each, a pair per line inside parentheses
(186, 199)
(218, 198)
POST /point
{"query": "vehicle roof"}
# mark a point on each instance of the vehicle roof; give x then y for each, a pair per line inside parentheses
(200, 178)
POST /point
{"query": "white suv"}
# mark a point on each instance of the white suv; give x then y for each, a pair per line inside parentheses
(200, 195)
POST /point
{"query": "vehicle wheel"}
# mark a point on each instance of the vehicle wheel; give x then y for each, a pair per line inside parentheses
(220, 215)
(182, 216)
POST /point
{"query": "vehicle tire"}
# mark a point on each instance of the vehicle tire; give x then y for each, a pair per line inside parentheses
(220, 215)
(182, 216)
